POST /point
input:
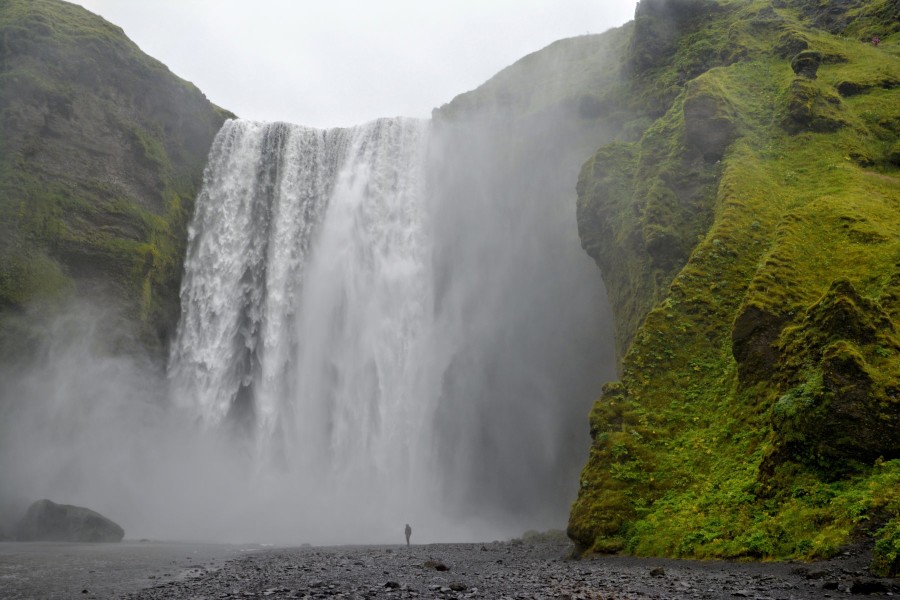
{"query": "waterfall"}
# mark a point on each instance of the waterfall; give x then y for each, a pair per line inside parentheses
(394, 322)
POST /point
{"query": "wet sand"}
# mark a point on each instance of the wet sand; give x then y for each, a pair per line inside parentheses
(50, 570)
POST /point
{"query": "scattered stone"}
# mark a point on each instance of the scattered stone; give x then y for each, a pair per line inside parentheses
(528, 572)
(817, 574)
(868, 586)
(436, 565)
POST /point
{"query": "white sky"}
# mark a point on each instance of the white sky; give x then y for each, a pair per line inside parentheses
(328, 63)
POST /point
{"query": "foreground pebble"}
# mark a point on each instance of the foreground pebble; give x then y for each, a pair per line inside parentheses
(508, 571)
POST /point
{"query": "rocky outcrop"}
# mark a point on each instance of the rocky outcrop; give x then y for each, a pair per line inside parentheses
(812, 107)
(749, 242)
(709, 124)
(46, 521)
(806, 63)
(832, 391)
(660, 24)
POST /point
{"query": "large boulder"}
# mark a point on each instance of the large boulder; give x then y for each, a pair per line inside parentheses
(47, 521)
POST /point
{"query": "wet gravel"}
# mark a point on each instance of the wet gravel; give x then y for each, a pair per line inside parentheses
(511, 571)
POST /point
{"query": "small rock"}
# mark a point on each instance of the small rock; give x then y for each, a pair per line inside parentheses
(458, 586)
(657, 572)
(868, 586)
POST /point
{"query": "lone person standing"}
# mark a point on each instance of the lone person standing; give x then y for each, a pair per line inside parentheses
(408, 533)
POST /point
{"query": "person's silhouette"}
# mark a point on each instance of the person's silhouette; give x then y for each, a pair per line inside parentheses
(408, 533)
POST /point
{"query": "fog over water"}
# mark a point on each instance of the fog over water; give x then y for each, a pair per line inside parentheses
(381, 324)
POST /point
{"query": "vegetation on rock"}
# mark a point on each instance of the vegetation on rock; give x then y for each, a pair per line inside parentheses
(743, 209)
(102, 151)
(750, 241)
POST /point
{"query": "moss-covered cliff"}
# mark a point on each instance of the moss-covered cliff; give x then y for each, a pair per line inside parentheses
(102, 151)
(750, 241)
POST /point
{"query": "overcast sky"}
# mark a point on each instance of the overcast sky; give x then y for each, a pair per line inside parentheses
(328, 63)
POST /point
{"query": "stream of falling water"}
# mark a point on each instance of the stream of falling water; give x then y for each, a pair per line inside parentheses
(387, 327)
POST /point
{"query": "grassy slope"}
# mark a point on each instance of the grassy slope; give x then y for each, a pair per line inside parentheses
(101, 153)
(758, 411)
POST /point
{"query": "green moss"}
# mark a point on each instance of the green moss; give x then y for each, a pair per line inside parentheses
(25, 278)
(813, 107)
(754, 357)
(101, 153)
(886, 560)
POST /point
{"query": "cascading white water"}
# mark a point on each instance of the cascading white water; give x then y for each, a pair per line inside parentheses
(307, 297)
(395, 322)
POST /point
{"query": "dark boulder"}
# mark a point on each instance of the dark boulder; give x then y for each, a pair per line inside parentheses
(708, 121)
(47, 521)
(806, 63)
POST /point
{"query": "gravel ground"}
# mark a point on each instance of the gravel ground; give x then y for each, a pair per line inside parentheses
(514, 571)
(56, 570)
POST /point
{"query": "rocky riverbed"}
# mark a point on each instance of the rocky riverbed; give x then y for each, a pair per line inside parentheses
(514, 571)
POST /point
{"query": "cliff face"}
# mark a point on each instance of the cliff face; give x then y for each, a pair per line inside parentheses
(102, 151)
(750, 242)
